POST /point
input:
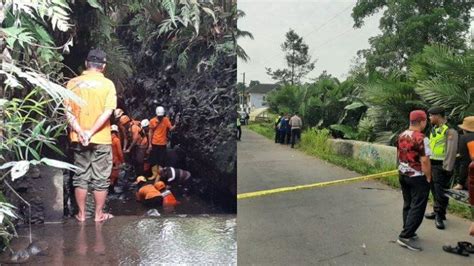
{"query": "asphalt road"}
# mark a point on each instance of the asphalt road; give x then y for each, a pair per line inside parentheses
(348, 224)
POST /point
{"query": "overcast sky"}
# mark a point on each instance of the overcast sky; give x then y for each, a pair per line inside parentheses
(326, 26)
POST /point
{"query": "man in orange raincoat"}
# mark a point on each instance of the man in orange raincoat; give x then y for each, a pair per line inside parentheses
(117, 155)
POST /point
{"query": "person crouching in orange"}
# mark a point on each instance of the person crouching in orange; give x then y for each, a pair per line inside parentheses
(117, 155)
(153, 194)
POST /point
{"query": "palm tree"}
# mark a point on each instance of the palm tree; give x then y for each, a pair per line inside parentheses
(390, 100)
(445, 78)
(237, 14)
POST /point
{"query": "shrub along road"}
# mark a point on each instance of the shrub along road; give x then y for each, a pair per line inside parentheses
(344, 224)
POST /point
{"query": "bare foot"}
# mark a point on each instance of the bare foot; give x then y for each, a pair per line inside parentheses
(458, 187)
(104, 217)
(80, 218)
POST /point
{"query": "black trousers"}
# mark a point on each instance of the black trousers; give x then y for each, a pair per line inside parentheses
(415, 197)
(138, 159)
(463, 173)
(282, 137)
(277, 135)
(440, 182)
(239, 132)
(158, 155)
(295, 133)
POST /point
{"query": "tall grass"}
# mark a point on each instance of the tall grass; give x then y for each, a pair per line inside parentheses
(315, 142)
(263, 128)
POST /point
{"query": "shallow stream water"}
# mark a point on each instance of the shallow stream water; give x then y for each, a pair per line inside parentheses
(135, 240)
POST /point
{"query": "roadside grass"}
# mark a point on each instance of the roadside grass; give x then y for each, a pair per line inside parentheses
(265, 129)
(314, 143)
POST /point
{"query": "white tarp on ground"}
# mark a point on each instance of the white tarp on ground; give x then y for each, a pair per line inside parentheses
(259, 112)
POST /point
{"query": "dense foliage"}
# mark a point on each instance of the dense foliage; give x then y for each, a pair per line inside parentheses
(422, 58)
(408, 25)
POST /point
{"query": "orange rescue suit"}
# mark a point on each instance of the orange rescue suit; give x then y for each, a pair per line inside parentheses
(117, 158)
(152, 193)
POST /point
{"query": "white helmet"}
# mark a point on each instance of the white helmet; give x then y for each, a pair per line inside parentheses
(160, 111)
(145, 122)
(118, 113)
(114, 128)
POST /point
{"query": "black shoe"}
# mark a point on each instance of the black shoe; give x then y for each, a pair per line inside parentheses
(408, 243)
(430, 216)
(439, 222)
(414, 237)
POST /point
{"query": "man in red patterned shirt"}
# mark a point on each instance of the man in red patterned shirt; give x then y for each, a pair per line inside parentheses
(415, 176)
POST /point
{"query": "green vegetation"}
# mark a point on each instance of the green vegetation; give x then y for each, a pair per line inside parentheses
(408, 26)
(264, 129)
(315, 143)
(422, 58)
(375, 106)
(7, 229)
(31, 97)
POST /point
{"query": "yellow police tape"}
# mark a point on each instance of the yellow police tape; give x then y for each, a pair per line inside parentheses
(314, 185)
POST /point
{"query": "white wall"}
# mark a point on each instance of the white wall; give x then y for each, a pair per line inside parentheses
(256, 100)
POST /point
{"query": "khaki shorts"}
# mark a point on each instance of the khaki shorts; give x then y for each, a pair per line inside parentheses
(96, 163)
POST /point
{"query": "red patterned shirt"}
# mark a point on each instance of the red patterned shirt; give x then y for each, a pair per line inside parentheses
(411, 146)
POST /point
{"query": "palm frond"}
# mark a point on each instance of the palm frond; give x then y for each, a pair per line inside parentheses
(241, 53)
(243, 34)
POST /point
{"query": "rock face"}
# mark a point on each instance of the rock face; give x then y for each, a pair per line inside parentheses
(204, 95)
(42, 188)
(207, 104)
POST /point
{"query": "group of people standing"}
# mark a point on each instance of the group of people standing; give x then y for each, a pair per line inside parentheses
(427, 164)
(100, 147)
(288, 129)
(142, 144)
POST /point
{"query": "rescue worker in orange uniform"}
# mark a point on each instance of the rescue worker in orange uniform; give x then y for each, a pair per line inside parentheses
(153, 194)
(117, 155)
(123, 121)
(138, 145)
(158, 134)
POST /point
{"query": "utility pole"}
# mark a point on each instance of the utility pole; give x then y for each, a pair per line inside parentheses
(244, 99)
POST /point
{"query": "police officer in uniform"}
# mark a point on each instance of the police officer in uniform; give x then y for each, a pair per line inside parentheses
(443, 144)
(277, 128)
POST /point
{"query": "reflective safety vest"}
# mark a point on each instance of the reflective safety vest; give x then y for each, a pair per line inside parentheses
(277, 121)
(438, 142)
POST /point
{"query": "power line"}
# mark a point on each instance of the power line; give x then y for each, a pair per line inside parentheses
(322, 26)
(334, 38)
(318, 28)
(329, 20)
(316, 48)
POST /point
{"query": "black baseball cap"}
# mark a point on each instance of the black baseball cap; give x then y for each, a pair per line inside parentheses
(436, 110)
(97, 55)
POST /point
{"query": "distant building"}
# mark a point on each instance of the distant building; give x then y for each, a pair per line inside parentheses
(258, 94)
